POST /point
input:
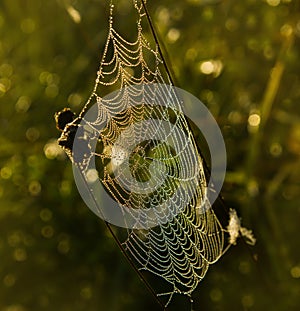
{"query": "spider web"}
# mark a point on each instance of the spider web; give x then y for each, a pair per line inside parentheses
(188, 237)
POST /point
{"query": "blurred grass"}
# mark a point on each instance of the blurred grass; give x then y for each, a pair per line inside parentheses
(55, 254)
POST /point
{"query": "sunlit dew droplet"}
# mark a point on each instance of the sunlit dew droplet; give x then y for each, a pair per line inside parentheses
(119, 155)
(254, 120)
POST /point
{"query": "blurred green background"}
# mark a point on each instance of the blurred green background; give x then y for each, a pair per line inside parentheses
(241, 58)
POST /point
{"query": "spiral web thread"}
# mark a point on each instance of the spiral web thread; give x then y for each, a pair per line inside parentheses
(180, 248)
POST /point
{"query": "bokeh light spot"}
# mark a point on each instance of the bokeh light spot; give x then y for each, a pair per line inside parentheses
(273, 2)
(23, 104)
(34, 188)
(244, 267)
(207, 67)
(52, 150)
(235, 117)
(6, 172)
(275, 149)
(9, 280)
(216, 294)
(253, 188)
(86, 292)
(47, 232)
(64, 246)
(191, 54)
(173, 35)
(52, 90)
(20, 254)
(254, 120)
(28, 25)
(1, 20)
(92, 175)
(14, 239)
(65, 187)
(75, 99)
(211, 67)
(74, 14)
(6, 70)
(231, 24)
(295, 272)
(32, 134)
(14, 307)
(286, 30)
(163, 15)
(45, 214)
(247, 301)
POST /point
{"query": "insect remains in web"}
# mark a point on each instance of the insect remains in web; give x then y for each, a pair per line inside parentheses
(236, 230)
(70, 126)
